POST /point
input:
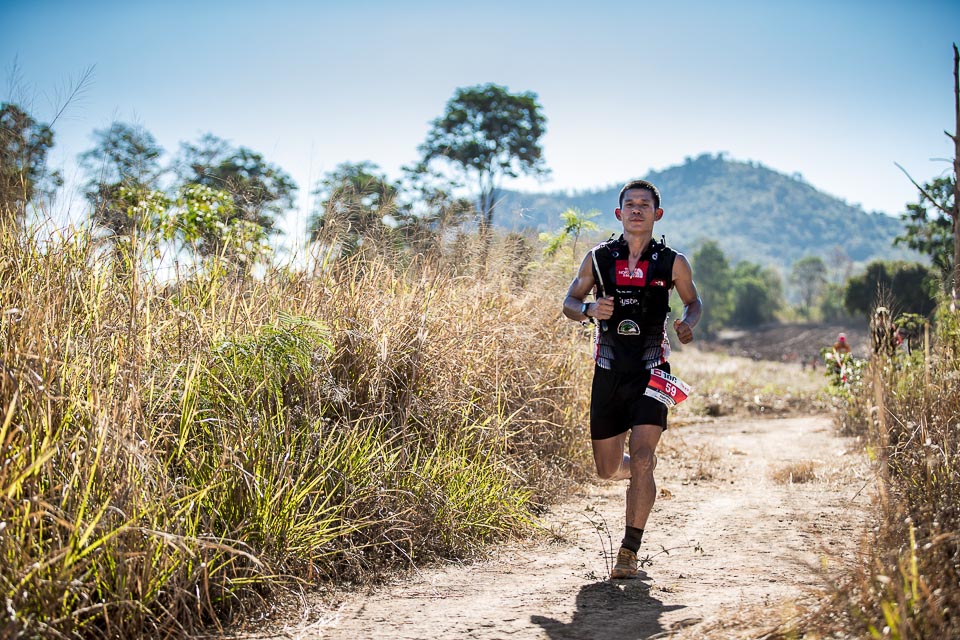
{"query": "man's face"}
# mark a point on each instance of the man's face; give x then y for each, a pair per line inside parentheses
(638, 212)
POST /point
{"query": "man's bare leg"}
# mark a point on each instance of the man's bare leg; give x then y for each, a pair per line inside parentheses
(637, 466)
(642, 490)
(612, 463)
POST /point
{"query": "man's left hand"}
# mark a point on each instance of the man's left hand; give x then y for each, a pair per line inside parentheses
(684, 332)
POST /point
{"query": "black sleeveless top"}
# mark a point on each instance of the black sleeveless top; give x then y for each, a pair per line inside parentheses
(635, 337)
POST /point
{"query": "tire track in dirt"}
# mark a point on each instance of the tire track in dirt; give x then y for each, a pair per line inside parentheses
(729, 547)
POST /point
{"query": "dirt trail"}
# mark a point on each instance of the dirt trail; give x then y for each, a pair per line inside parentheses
(741, 543)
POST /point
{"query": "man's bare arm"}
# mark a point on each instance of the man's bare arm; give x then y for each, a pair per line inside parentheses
(687, 290)
(581, 287)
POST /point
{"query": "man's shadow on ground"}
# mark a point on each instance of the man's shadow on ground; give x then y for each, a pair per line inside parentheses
(611, 610)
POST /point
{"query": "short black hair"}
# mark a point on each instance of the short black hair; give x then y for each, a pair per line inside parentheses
(642, 184)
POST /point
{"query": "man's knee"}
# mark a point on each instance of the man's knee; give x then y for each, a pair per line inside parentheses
(607, 469)
(642, 462)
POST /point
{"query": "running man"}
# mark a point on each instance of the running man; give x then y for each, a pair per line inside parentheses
(630, 279)
(841, 345)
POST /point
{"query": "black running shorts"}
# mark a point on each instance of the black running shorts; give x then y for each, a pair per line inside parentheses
(617, 403)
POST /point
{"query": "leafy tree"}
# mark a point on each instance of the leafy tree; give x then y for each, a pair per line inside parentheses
(831, 306)
(488, 134)
(24, 144)
(575, 224)
(756, 295)
(356, 201)
(714, 279)
(904, 286)
(261, 192)
(809, 275)
(122, 167)
(430, 210)
(204, 221)
(928, 225)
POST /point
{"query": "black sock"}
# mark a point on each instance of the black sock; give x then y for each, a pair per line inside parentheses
(632, 538)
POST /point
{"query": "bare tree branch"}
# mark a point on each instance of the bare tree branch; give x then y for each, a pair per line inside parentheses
(925, 193)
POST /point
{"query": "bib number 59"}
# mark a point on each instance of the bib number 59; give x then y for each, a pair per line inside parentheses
(668, 389)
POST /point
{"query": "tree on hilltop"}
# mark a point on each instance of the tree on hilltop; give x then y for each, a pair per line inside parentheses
(487, 134)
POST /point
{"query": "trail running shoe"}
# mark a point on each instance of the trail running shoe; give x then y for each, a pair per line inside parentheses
(626, 566)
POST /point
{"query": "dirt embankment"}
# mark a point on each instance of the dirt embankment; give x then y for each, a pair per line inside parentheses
(750, 515)
(790, 342)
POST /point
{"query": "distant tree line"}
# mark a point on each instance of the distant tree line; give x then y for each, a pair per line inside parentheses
(747, 295)
(214, 198)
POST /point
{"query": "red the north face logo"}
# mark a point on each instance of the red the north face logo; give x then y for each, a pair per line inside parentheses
(635, 278)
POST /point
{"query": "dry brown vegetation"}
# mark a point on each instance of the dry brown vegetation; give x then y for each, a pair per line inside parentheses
(175, 452)
(907, 583)
(728, 385)
(796, 473)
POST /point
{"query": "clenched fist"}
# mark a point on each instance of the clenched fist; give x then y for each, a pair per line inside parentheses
(684, 332)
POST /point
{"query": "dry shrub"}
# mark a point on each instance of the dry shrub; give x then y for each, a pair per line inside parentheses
(699, 462)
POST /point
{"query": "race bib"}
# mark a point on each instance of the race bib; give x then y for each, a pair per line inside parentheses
(668, 389)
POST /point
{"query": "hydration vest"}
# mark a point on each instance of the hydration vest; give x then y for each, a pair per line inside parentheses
(634, 338)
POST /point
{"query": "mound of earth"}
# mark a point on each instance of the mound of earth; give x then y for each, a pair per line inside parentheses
(795, 342)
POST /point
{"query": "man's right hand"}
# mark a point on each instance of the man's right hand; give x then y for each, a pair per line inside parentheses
(602, 308)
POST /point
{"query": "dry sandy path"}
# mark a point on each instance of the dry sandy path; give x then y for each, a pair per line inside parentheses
(741, 545)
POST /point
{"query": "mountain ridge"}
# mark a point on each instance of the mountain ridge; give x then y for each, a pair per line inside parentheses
(755, 213)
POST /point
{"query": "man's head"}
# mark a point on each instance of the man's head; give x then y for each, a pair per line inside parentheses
(639, 207)
(641, 184)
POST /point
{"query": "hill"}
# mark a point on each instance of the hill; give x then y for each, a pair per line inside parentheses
(754, 212)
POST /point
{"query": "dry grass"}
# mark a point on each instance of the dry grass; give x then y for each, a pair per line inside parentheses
(726, 385)
(800, 472)
(907, 582)
(701, 463)
(175, 452)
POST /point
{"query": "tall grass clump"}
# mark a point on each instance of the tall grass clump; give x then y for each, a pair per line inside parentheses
(174, 452)
(908, 584)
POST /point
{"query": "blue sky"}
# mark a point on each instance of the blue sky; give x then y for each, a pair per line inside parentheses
(835, 91)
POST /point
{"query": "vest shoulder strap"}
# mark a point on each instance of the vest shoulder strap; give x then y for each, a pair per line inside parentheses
(662, 260)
